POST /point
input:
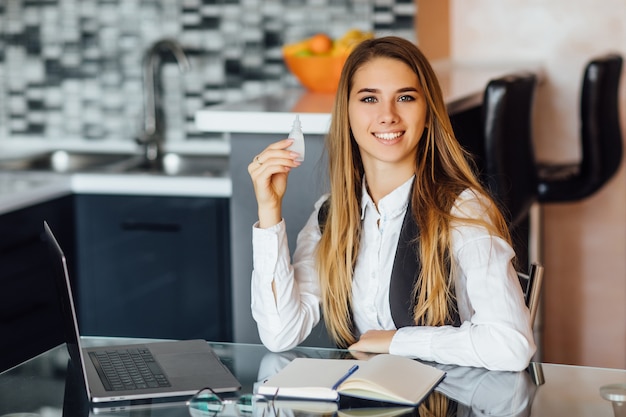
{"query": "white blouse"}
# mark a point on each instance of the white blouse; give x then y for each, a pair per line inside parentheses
(495, 331)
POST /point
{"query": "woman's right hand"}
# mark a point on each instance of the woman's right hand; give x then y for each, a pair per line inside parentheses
(269, 171)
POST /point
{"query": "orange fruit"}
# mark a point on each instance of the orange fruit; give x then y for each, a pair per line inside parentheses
(295, 47)
(320, 43)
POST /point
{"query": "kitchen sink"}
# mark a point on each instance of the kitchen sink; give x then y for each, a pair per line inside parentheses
(176, 164)
(173, 164)
(63, 161)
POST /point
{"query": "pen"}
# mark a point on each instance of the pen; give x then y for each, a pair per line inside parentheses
(346, 376)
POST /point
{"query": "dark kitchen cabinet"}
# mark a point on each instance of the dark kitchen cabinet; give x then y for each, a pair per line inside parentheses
(154, 266)
(29, 311)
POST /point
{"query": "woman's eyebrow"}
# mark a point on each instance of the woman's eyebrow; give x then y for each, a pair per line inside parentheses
(376, 90)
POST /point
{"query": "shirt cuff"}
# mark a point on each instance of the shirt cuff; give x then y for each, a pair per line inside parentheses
(413, 341)
(265, 247)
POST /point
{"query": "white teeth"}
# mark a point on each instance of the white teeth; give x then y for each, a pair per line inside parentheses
(388, 136)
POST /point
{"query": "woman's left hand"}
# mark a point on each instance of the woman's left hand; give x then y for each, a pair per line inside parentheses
(375, 341)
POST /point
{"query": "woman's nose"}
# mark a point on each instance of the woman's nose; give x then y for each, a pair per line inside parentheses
(388, 114)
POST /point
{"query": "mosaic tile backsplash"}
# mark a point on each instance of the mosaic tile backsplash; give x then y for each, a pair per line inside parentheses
(72, 69)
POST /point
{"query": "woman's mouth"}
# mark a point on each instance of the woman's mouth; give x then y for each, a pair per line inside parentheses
(388, 135)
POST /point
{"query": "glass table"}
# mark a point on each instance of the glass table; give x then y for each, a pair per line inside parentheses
(45, 386)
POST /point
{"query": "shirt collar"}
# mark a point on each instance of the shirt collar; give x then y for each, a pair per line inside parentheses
(391, 205)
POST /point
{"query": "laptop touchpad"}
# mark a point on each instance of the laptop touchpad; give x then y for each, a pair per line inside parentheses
(192, 363)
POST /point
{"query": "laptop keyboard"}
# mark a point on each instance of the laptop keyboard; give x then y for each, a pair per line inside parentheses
(128, 369)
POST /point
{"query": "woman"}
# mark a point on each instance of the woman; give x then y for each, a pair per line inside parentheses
(409, 254)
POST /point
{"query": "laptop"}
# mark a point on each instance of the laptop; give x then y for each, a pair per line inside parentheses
(164, 369)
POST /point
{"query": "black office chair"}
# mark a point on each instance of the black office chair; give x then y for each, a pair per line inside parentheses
(508, 161)
(600, 137)
(531, 286)
(509, 169)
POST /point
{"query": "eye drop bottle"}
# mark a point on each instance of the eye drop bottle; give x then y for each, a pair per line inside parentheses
(298, 139)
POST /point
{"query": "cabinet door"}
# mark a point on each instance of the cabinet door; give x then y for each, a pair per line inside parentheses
(151, 266)
(29, 309)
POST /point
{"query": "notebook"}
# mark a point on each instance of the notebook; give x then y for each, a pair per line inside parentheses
(182, 367)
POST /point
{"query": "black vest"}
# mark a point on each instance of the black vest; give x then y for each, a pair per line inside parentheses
(406, 267)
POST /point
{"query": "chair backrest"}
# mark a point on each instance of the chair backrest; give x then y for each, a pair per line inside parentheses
(599, 117)
(600, 134)
(531, 286)
(510, 170)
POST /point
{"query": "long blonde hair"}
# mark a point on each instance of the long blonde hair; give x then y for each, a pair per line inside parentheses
(442, 172)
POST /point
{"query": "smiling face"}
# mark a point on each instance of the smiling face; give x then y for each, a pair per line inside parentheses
(387, 113)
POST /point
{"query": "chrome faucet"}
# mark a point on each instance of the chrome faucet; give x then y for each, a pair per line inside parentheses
(153, 134)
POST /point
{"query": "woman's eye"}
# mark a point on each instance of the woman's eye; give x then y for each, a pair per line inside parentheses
(406, 98)
(369, 99)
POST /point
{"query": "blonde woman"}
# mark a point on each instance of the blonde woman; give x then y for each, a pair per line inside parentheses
(408, 254)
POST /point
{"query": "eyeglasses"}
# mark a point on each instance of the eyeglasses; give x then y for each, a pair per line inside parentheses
(207, 403)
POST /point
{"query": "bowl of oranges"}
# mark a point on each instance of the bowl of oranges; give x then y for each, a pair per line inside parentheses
(317, 61)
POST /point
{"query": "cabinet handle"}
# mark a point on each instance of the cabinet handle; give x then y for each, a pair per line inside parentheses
(132, 225)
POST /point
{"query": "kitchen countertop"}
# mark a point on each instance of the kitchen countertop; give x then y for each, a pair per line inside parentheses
(462, 84)
(23, 189)
(147, 184)
(19, 189)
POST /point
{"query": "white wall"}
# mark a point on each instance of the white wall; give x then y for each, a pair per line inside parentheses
(584, 246)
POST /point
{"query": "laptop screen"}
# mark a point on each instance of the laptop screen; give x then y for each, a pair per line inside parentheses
(66, 302)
